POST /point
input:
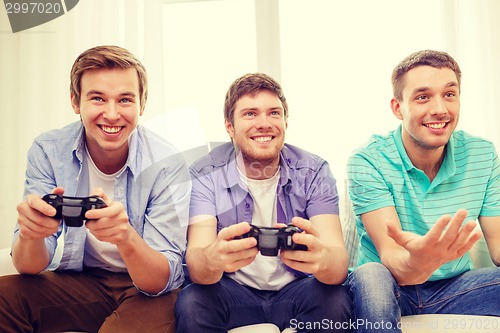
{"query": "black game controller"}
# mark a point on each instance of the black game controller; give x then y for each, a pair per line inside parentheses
(72, 209)
(271, 240)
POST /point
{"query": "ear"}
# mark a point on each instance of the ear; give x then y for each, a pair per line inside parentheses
(396, 109)
(74, 104)
(229, 128)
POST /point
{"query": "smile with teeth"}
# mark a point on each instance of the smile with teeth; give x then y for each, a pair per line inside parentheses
(111, 129)
(263, 138)
(436, 126)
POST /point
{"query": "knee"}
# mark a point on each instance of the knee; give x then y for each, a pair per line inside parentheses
(372, 279)
(371, 274)
(333, 298)
(12, 288)
(373, 286)
(193, 297)
(16, 291)
(340, 301)
(186, 297)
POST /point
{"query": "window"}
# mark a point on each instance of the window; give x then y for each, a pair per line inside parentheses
(333, 58)
(336, 63)
(207, 45)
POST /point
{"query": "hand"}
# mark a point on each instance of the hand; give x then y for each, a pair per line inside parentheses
(447, 240)
(109, 224)
(317, 255)
(35, 217)
(228, 254)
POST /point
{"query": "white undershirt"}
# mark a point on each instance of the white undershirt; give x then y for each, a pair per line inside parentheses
(102, 254)
(264, 273)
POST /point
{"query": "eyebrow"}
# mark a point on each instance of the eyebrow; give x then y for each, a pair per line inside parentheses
(257, 108)
(424, 89)
(97, 92)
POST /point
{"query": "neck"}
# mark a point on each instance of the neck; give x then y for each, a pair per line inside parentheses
(257, 169)
(427, 160)
(430, 166)
(109, 162)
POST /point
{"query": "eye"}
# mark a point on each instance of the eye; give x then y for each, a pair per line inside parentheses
(249, 114)
(450, 94)
(125, 100)
(97, 99)
(422, 97)
(275, 113)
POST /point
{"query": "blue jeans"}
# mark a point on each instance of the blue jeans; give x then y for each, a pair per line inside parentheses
(379, 302)
(226, 304)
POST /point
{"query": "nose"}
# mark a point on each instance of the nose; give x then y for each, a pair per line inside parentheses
(439, 107)
(264, 121)
(111, 112)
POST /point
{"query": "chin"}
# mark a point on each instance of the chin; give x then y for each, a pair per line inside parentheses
(255, 156)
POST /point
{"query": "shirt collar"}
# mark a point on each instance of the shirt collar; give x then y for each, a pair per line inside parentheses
(231, 169)
(132, 163)
(447, 168)
(79, 145)
(398, 141)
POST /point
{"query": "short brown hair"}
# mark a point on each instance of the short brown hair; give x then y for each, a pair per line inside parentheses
(251, 84)
(436, 59)
(107, 57)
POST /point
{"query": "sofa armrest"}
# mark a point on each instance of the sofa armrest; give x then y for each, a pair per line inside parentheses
(6, 265)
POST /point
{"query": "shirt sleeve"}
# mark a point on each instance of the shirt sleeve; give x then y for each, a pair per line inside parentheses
(39, 180)
(323, 196)
(491, 204)
(368, 189)
(166, 219)
(202, 193)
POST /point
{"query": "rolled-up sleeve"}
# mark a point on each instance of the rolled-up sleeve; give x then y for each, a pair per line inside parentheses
(166, 217)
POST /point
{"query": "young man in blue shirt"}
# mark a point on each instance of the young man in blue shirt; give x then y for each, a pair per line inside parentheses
(417, 193)
(121, 271)
(259, 180)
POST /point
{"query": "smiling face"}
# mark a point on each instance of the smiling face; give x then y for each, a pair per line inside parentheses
(429, 109)
(258, 131)
(109, 109)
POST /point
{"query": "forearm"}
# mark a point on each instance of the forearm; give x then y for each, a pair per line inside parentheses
(495, 256)
(334, 270)
(405, 271)
(149, 269)
(201, 270)
(30, 256)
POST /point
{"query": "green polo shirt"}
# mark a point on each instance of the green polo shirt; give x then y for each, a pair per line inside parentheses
(382, 175)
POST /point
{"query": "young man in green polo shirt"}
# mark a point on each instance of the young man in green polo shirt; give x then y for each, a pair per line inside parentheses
(416, 193)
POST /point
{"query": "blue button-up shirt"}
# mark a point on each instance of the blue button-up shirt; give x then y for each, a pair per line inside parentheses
(306, 187)
(154, 188)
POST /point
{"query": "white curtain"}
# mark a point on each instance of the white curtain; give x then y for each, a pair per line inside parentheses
(472, 30)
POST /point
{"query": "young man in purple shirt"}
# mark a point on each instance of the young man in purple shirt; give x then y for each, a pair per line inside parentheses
(259, 180)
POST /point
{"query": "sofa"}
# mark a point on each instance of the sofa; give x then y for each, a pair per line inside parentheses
(409, 324)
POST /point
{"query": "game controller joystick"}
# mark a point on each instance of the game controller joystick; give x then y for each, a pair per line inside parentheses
(271, 240)
(72, 209)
